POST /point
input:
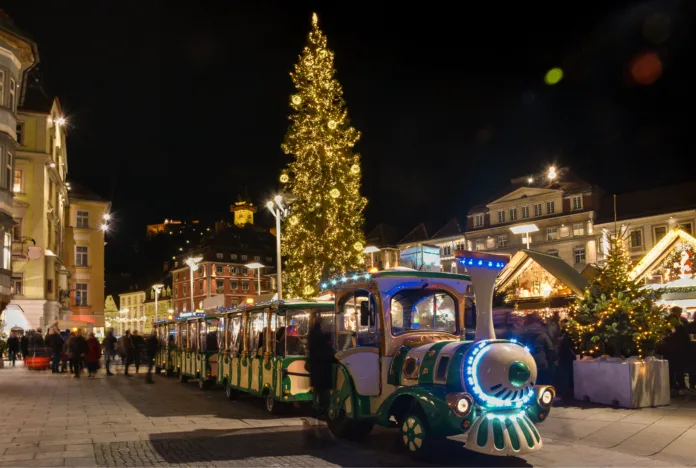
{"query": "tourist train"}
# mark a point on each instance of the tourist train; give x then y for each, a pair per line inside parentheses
(401, 361)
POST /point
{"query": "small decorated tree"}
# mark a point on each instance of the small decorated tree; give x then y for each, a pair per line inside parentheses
(616, 316)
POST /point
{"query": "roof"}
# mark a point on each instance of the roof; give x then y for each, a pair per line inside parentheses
(383, 236)
(35, 97)
(451, 229)
(80, 192)
(567, 181)
(650, 202)
(418, 234)
(556, 266)
(659, 252)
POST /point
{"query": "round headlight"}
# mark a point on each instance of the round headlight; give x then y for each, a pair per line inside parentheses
(463, 405)
(547, 397)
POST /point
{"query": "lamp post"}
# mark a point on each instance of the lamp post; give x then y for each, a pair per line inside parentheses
(192, 263)
(525, 229)
(256, 266)
(280, 211)
(157, 288)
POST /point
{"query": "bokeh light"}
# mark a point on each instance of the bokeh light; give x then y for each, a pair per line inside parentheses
(553, 76)
(646, 68)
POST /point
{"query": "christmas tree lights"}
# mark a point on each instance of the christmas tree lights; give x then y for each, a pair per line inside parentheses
(324, 236)
(616, 316)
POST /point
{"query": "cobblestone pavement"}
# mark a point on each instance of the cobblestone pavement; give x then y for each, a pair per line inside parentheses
(53, 420)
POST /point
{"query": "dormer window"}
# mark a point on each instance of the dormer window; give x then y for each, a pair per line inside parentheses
(501, 216)
(478, 220)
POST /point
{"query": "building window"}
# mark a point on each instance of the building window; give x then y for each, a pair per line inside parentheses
(83, 219)
(9, 170)
(269, 259)
(502, 241)
(537, 209)
(20, 133)
(13, 88)
(49, 286)
(245, 271)
(552, 234)
(565, 231)
(81, 294)
(245, 285)
(576, 203)
(18, 285)
(578, 229)
(553, 252)
(513, 214)
(579, 253)
(446, 251)
(7, 251)
(233, 256)
(501, 216)
(244, 258)
(480, 244)
(257, 258)
(17, 186)
(219, 269)
(200, 287)
(81, 256)
(660, 232)
(17, 229)
(234, 285)
(636, 239)
(550, 207)
(478, 220)
(219, 286)
(686, 227)
(525, 212)
(219, 256)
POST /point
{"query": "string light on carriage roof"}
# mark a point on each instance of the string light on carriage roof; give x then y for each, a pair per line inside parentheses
(345, 279)
(481, 263)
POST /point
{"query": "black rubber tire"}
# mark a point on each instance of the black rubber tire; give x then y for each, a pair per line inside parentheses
(344, 427)
(230, 392)
(182, 377)
(203, 383)
(272, 406)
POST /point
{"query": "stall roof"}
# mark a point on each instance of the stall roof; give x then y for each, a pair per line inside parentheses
(660, 251)
(560, 270)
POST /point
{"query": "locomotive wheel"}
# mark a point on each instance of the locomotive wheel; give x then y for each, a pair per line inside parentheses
(347, 428)
(272, 406)
(230, 392)
(414, 434)
(182, 377)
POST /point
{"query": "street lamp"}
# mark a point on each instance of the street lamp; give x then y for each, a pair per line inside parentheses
(157, 288)
(280, 211)
(371, 249)
(192, 263)
(525, 229)
(256, 266)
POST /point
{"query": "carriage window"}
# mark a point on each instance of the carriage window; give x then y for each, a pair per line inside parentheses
(350, 333)
(192, 335)
(278, 329)
(183, 336)
(234, 326)
(423, 310)
(172, 335)
(296, 332)
(221, 333)
(208, 335)
(255, 329)
(202, 329)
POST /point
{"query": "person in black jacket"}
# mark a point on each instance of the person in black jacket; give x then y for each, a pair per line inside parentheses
(151, 347)
(320, 361)
(55, 342)
(676, 349)
(139, 344)
(109, 344)
(13, 347)
(24, 345)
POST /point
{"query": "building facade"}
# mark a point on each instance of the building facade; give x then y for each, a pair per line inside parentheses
(132, 312)
(40, 274)
(432, 251)
(557, 207)
(111, 314)
(84, 254)
(18, 55)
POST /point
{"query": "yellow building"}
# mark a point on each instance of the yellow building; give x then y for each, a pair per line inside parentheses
(165, 308)
(40, 275)
(18, 55)
(111, 314)
(84, 249)
(132, 312)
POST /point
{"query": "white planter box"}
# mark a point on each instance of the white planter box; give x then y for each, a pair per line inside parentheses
(628, 383)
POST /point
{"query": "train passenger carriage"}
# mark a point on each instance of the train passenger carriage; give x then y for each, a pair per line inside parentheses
(197, 349)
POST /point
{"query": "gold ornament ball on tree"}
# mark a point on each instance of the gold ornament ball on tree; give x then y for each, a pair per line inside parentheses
(284, 178)
(358, 246)
(320, 141)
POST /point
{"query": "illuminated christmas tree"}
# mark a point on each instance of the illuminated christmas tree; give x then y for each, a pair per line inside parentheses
(616, 316)
(323, 235)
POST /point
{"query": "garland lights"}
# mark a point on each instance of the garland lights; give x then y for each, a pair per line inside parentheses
(481, 263)
(345, 279)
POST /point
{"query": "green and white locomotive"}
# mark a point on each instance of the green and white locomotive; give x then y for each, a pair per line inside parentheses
(407, 366)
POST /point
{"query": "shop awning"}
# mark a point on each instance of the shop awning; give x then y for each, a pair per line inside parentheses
(555, 266)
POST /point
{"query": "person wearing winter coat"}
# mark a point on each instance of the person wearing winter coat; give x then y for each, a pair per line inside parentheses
(536, 337)
(24, 345)
(55, 342)
(109, 343)
(12, 347)
(93, 355)
(78, 349)
(128, 350)
(151, 348)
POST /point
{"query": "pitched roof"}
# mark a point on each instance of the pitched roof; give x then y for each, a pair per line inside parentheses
(383, 236)
(418, 234)
(560, 270)
(451, 229)
(659, 252)
(80, 192)
(650, 202)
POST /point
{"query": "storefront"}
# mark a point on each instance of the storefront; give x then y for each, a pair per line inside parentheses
(538, 282)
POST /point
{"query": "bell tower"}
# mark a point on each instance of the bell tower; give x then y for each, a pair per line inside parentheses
(243, 211)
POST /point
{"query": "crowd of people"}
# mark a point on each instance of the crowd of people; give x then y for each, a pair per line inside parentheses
(70, 352)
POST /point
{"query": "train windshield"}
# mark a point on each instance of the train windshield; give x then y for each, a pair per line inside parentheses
(423, 310)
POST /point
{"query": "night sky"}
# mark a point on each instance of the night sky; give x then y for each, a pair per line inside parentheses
(173, 110)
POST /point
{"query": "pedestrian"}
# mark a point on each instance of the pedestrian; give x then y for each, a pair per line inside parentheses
(320, 360)
(12, 347)
(564, 373)
(535, 336)
(109, 345)
(676, 348)
(128, 350)
(55, 342)
(78, 349)
(93, 355)
(24, 345)
(151, 348)
(36, 342)
(66, 363)
(139, 345)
